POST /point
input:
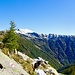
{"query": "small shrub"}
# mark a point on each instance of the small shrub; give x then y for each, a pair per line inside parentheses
(28, 67)
(28, 60)
(15, 57)
(5, 51)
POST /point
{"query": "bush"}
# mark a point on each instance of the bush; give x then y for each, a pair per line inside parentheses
(5, 51)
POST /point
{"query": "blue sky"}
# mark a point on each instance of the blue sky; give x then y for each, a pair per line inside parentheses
(42, 16)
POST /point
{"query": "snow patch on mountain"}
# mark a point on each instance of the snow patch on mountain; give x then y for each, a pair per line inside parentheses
(24, 31)
(31, 34)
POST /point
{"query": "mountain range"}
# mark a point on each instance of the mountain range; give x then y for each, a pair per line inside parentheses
(58, 50)
(52, 47)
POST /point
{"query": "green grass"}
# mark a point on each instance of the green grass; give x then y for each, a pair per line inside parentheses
(28, 47)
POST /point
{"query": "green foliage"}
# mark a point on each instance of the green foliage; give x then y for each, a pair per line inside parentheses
(5, 51)
(28, 47)
(68, 69)
(2, 33)
(1, 45)
(10, 38)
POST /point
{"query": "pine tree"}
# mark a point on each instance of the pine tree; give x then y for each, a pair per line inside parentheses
(10, 40)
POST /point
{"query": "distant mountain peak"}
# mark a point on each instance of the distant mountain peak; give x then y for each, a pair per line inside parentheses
(30, 33)
(24, 31)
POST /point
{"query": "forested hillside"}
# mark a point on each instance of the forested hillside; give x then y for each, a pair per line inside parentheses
(68, 70)
(61, 47)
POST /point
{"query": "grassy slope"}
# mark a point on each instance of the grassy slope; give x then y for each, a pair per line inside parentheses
(29, 48)
(68, 70)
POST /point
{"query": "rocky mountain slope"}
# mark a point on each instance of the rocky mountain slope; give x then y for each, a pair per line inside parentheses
(10, 67)
(60, 47)
(31, 48)
(59, 50)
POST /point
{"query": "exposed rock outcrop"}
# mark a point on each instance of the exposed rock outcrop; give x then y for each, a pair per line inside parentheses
(10, 67)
